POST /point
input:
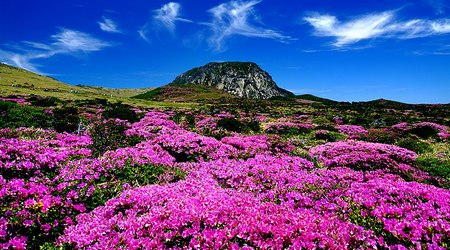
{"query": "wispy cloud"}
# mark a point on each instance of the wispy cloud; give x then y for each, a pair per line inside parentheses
(168, 14)
(235, 18)
(374, 25)
(438, 5)
(163, 18)
(108, 25)
(65, 42)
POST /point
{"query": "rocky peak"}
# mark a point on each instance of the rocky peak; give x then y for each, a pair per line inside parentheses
(244, 79)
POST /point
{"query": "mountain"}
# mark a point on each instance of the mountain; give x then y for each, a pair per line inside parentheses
(243, 79)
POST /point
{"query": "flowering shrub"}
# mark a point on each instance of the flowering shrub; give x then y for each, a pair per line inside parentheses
(35, 208)
(199, 215)
(28, 158)
(361, 155)
(208, 127)
(403, 126)
(248, 146)
(179, 189)
(150, 124)
(189, 146)
(353, 131)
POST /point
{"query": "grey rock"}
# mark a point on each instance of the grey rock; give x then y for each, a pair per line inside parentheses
(243, 79)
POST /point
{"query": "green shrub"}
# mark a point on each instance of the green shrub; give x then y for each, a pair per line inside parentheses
(65, 119)
(380, 136)
(188, 119)
(13, 115)
(424, 132)
(325, 135)
(48, 101)
(120, 111)
(434, 167)
(254, 126)
(110, 135)
(414, 145)
(231, 124)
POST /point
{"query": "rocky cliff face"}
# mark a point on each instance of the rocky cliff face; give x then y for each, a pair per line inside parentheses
(244, 79)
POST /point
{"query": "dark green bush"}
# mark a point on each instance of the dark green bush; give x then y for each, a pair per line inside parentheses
(325, 135)
(254, 126)
(48, 101)
(231, 124)
(424, 132)
(380, 136)
(65, 119)
(107, 135)
(328, 127)
(188, 119)
(13, 115)
(434, 167)
(360, 120)
(414, 145)
(121, 111)
(110, 135)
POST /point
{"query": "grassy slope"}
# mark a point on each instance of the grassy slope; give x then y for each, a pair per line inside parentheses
(314, 98)
(184, 93)
(15, 81)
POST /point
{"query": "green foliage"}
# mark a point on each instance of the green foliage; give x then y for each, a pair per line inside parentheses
(110, 135)
(66, 119)
(134, 175)
(424, 132)
(315, 99)
(13, 115)
(152, 94)
(142, 175)
(414, 145)
(331, 136)
(96, 101)
(380, 136)
(360, 120)
(434, 166)
(231, 124)
(254, 126)
(182, 118)
(120, 111)
(48, 101)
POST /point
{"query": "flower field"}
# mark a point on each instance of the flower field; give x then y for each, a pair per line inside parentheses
(216, 181)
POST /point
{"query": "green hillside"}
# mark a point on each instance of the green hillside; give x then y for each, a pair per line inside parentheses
(314, 98)
(185, 93)
(15, 81)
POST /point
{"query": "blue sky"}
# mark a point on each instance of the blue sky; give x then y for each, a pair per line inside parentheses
(343, 50)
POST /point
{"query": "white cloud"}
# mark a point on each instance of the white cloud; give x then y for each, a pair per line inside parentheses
(163, 18)
(68, 42)
(375, 25)
(234, 18)
(361, 28)
(108, 25)
(168, 14)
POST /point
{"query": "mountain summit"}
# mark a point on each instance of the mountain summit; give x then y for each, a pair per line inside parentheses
(243, 79)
